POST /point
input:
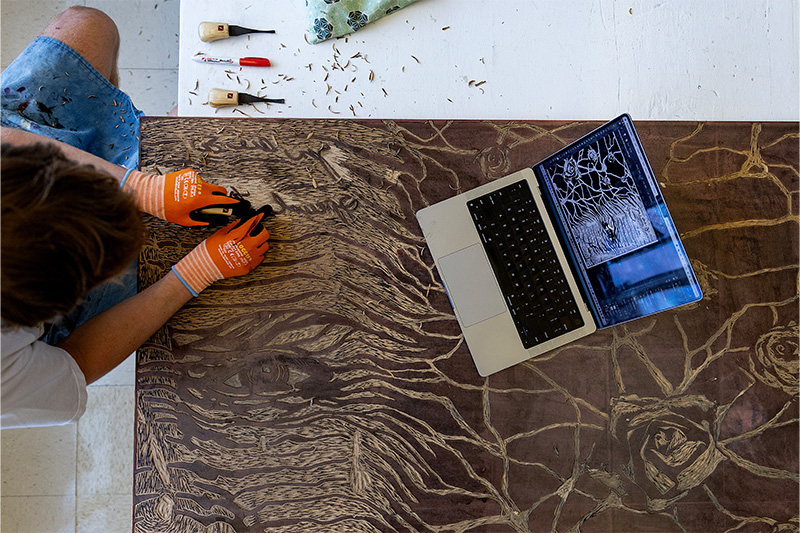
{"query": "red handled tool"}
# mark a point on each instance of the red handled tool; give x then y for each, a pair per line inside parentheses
(242, 61)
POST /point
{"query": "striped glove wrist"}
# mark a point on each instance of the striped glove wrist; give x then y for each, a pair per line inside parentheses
(197, 270)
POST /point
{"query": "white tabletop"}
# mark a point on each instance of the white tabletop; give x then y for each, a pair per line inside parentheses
(507, 59)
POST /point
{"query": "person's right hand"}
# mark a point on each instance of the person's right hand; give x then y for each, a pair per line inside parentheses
(232, 251)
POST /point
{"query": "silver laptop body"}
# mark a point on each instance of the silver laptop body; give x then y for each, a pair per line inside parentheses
(514, 289)
(473, 289)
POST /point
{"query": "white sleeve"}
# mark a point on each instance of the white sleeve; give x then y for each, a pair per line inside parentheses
(40, 385)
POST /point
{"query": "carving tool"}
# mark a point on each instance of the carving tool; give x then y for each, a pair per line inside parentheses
(221, 97)
(223, 211)
(214, 31)
(238, 210)
(244, 211)
(250, 213)
(242, 61)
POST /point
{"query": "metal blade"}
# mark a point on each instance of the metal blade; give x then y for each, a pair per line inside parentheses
(233, 31)
(245, 98)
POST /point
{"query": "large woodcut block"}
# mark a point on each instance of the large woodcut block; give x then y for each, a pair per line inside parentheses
(330, 389)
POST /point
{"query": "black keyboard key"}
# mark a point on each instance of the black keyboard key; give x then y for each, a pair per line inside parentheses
(525, 263)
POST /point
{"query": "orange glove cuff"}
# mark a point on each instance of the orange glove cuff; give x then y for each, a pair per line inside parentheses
(197, 270)
(148, 190)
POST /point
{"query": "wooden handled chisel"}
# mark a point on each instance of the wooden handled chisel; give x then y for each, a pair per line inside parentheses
(214, 31)
(244, 212)
(221, 98)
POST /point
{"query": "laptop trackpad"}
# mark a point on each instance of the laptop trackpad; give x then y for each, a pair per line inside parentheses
(470, 282)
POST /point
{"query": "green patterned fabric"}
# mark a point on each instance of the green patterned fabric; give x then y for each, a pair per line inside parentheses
(334, 18)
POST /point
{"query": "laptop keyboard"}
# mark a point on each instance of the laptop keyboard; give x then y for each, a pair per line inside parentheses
(525, 263)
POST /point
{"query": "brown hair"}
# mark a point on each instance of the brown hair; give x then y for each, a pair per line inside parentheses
(66, 227)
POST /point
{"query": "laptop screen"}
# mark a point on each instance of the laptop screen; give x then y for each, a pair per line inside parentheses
(615, 225)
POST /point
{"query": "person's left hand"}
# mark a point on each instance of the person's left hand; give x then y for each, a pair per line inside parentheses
(180, 197)
(234, 250)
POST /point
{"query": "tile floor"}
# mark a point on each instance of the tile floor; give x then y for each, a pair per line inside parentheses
(79, 477)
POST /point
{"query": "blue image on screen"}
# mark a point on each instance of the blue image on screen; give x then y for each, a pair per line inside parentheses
(614, 222)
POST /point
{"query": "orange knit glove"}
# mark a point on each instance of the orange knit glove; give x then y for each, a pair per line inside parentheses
(232, 251)
(178, 197)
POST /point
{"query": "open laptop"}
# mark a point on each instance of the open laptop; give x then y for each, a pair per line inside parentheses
(547, 255)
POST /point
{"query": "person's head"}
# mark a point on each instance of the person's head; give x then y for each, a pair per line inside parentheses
(65, 228)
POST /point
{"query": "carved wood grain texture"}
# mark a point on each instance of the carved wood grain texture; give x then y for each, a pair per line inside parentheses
(330, 389)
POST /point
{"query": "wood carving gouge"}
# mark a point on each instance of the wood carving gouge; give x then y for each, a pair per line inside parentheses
(238, 210)
(214, 31)
(221, 97)
(245, 211)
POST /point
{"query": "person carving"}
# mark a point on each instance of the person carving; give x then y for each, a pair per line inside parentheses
(71, 224)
